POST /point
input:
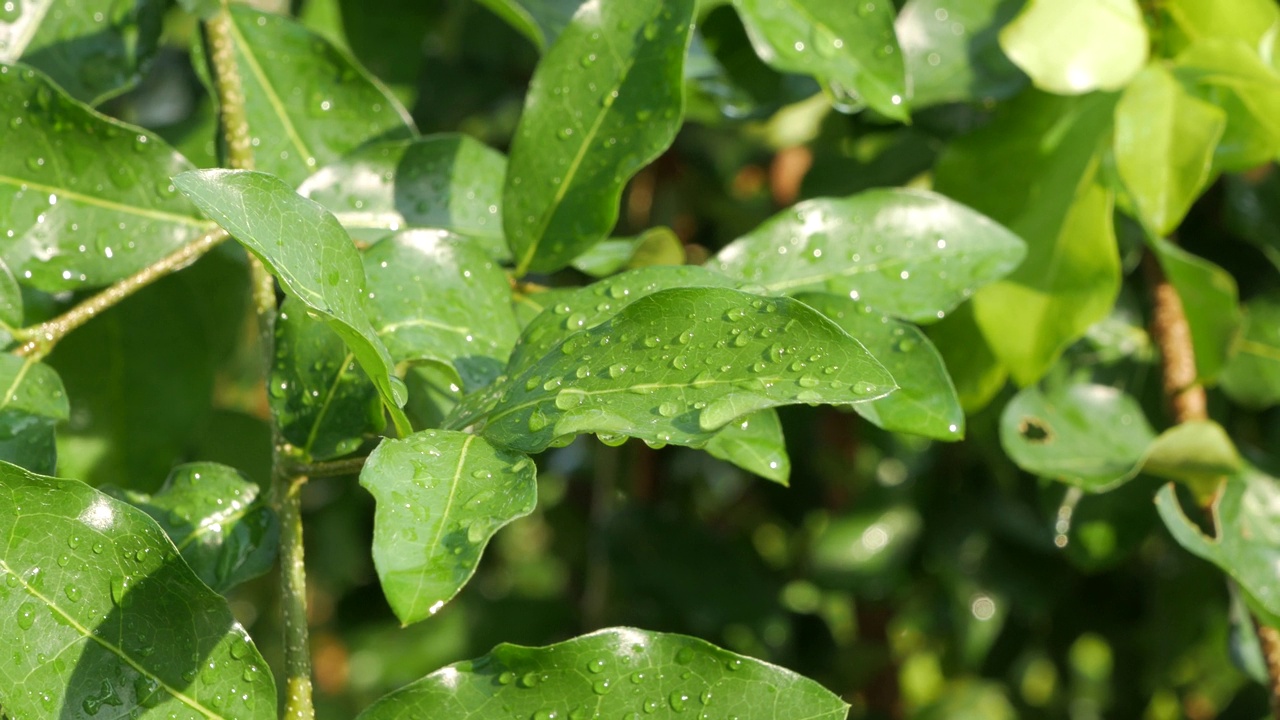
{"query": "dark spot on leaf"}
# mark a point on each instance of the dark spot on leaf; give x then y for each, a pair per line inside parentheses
(1034, 430)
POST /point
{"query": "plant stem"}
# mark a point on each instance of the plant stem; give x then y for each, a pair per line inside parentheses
(293, 600)
(41, 339)
(332, 468)
(1187, 402)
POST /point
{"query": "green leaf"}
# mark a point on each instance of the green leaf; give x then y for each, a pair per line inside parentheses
(323, 402)
(1230, 75)
(1198, 453)
(449, 182)
(952, 53)
(974, 370)
(1164, 144)
(225, 531)
(1070, 47)
(11, 304)
(1252, 375)
(1091, 436)
(1208, 295)
(909, 253)
(855, 54)
(1034, 170)
(605, 100)
(129, 627)
(441, 496)
(1256, 22)
(88, 201)
(433, 296)
(680, 364)
(307, 102)
(925, 402)
(93, 48)
(655, 246)
(1247, 545)
(754, 443)
(617, 672)
(309, 252)
(32, 405)
(850, 550)
(541, 21)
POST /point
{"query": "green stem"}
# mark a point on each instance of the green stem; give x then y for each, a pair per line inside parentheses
(332, 468)
(40, 340)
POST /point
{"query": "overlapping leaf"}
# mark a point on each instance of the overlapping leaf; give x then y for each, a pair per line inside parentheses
(31, 407)
(541, 21)
(618, 672)
(109, 618)
(909, 253)
(84, 200)
(606, 99)
(974, 369)
(441, 496)
(656, 246)
(1208, 295)
(680, 364)
(1076, 46)
(222, 526)
(1252, 375)
(754, 443)
(1229, 74)
(952, 53)
(309, 252)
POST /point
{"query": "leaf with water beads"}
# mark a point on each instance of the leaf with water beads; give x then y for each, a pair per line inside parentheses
(614, 673)
(755, 443)
(680, 364)
(111, 619)
(441, 495)
(908, 253)
(33, 404)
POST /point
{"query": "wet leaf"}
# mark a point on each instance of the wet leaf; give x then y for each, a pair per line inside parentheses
(1252, 375)
(441, 496)
(925, 402)
(952, 53)
(32, 406)
(129, 629)
(1072, 47)
(309, 252)
(677, 366)
(1208, 295)
(225, 531)
(605, 100)
(614, 672)
(541, 21)
(909, 253)
(88, 201)
(754, 443)
(656, 246)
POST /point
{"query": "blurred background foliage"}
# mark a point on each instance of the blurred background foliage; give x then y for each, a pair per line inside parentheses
(915, 579)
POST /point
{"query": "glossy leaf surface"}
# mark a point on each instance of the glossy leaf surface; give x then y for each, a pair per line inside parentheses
(925, 402)
(441, 495)
(1164, 145)
(1076, 46)
(448, 182)
(435, 296)
(1208, 295)
(1252, 375)
(1091, 436)
(678, 365)
(909, 253)
(854, 52)
(32, 405)
(606, 99)
(1230, 75)
(952, 53)
(541, 21)
(220, 523)
(87, 200)
(93, 49)
(112, 619)
(754, 443)
(307, 102)
(612, 673)
(308, 251)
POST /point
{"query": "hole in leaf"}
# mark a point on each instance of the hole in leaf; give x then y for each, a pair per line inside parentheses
(1035, 430)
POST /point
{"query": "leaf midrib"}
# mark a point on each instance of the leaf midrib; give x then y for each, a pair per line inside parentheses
(269, 90)
(444, 515)
(108, 204)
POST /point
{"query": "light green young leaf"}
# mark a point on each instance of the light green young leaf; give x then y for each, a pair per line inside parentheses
(441, 495)
(87, 200)
(1071, 47)
(433, 296)
(541, 21)
(309, 252)
(136, 632)
(909, 253)
(952, 52)
(1247, 545)
(755, 443)
(973, 368)
(94, 49)
(677, 366)
(11, 304)
(1208, 295)
(1164, 144)
(1091, 436)
(1198, 453)
(1230, 75)
(322, 400)
(307, 102)
(224, 529)
(1252, 375)
(590, 673)
(854, 53)
(32, 406)
(1034, 169)
(605, 100)
(1255, 22)
(655, 246)
(925, 402)
(447, 182)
